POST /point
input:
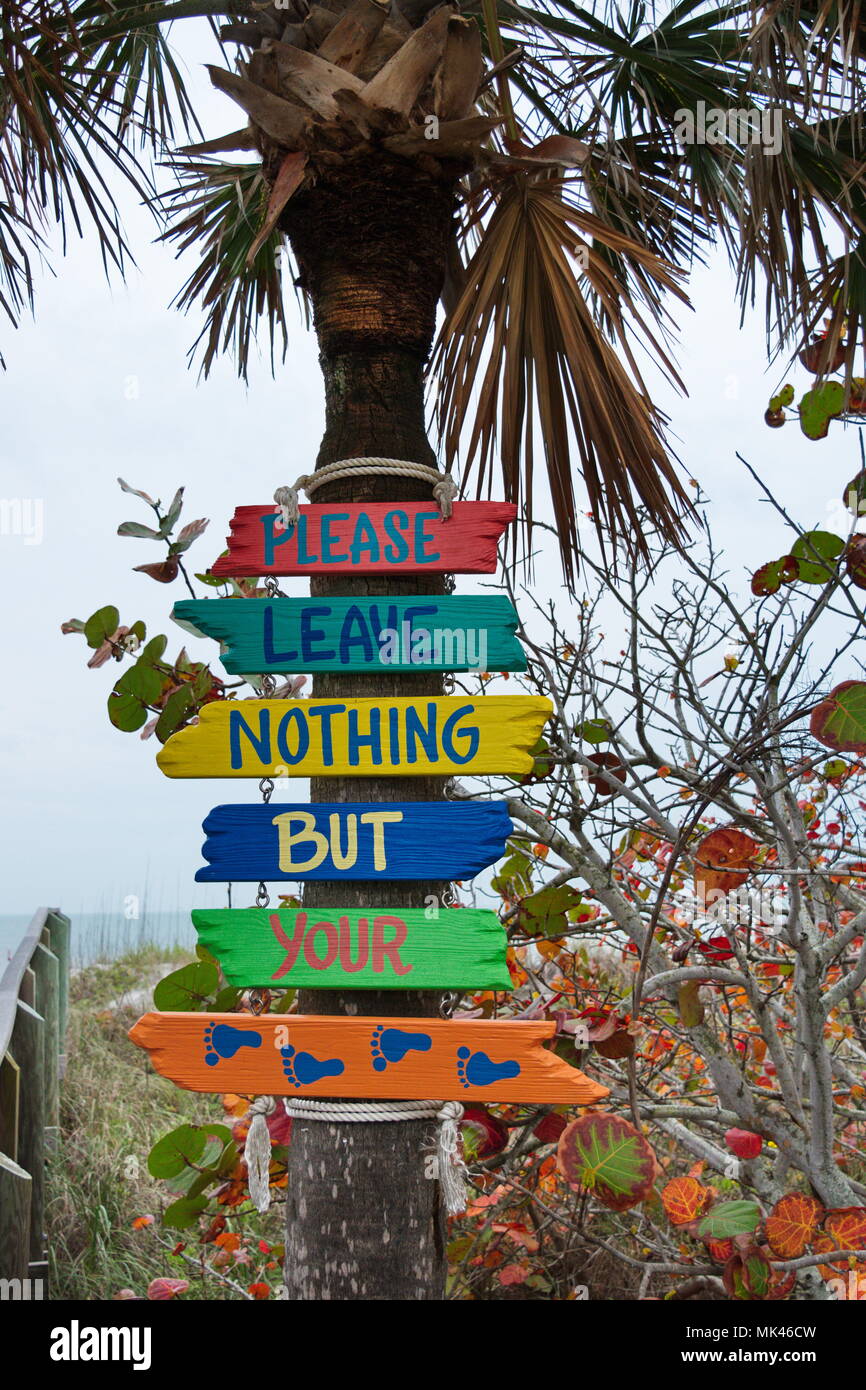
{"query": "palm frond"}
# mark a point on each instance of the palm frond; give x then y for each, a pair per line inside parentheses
(526, 332)
(218, 209)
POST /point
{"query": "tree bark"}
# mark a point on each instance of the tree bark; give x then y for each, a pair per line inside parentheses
(363, 1220)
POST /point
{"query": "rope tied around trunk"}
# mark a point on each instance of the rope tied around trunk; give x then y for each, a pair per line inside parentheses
(448, 1114)
(444, 487)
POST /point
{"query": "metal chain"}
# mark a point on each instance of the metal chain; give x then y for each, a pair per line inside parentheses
(448, 1004)
(266, 787)
(449, 897)
(272, 588)
(256, 1000)
(263, 897)
(269, 685)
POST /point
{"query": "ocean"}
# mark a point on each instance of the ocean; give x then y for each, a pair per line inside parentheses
(106, 935)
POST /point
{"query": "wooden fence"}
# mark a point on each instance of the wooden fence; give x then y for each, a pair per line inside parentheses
(34, 995)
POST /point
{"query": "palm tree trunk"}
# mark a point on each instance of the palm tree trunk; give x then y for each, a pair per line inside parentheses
(363, 1221)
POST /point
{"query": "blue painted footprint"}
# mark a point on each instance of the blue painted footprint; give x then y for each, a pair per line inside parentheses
(392, 1044)
(221, 1040)
(476, 1069)
(302, 1068)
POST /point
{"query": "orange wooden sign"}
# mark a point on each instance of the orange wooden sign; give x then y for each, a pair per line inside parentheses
(396, 1058)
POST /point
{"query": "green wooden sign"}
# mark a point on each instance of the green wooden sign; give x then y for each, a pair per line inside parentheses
(474, 632)
(368, 948)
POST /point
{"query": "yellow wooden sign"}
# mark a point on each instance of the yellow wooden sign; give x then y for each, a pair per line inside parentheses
(359, 738)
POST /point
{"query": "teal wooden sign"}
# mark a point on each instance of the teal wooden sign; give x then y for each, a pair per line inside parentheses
(367, 948)
(453, 633)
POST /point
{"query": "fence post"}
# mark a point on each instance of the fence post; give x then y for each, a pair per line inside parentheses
(47, 970)
(15, 1189)
(28, 1048)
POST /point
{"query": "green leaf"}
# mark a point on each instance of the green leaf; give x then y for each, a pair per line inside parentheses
(184, 1212)
(178, 706)
(135, 528)
(819, 406)
(813, 552)
(785, 397)
(839, 721)
(771, 576)
(167, 524)
(226, 1000)
(101, 625)
(738, 1218)
(595, 730)
(609, 1157)
(283, 1005)
(176, 1151)
(690, 1004)
(189, 988)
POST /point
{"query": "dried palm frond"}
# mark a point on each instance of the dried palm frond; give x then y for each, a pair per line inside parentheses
(217, 210)
(525, 331)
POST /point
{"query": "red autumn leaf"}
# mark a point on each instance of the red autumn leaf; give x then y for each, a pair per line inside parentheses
(550, 1127)
(855, 561)
(605, 762)
(259, 1290)
(513, 1274)
(215, 1228)
(847, 1226)
(619, 1044)
(141, 1221)
(279, 1126)
(839, 721)
(722, 861)
(684, 1200)
(792, 1224)
(607, 1156)
(228, 1240)
(748, 1274)
(483, 1134)
(744, 1143)
(164, 571)
(160, 1290)
(720, 1250)
(716, 948)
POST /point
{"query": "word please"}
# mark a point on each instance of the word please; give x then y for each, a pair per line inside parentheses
(408, 538)
(392, 735)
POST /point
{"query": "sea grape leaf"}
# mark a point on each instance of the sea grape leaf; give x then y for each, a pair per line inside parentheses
(189, 988)
(730, 1219)
(839, 721)
(793, 1223)
(606, 1155)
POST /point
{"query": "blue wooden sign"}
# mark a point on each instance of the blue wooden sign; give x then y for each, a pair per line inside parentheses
(453, 633)
(392, 840)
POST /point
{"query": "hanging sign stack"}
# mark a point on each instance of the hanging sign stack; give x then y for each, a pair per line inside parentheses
(368, 948)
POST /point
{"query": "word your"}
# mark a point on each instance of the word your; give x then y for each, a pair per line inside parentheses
(22, 516)
(324, 941)
(716, 126)
(77, 1343)
(451, 648)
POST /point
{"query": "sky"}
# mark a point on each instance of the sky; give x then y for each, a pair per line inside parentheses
(97, 386)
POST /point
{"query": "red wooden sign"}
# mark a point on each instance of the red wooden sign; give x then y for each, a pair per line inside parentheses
(372, 538)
